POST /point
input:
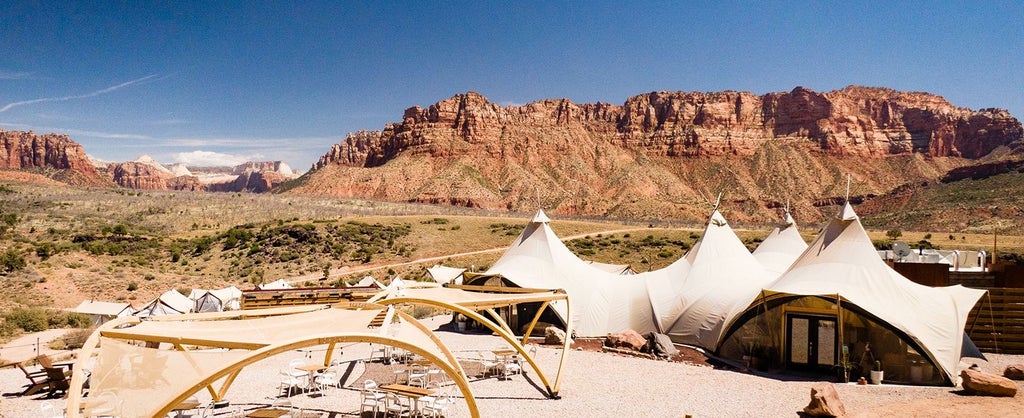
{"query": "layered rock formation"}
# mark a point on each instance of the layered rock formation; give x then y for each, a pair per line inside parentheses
(660, 153)
(145, 173)
(57, 155)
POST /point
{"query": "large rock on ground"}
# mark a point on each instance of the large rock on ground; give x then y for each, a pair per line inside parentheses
(627, 339)
(554, 335)
(976, 382)
(1014, 372)
(825, 402)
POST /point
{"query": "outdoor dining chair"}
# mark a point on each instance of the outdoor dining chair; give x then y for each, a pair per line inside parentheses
(288, 382)
(327, 378)
(397, 405)
(372, 399)
(436, 407)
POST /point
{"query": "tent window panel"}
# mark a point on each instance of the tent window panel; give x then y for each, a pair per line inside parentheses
(826, 342)
(870, 342)
(799, 337)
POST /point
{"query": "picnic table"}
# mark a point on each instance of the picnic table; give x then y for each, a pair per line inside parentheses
(412, 392)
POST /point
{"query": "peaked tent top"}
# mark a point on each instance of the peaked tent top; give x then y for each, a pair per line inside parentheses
(540, 217)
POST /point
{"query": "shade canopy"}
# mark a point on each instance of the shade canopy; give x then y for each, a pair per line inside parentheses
(185, 353)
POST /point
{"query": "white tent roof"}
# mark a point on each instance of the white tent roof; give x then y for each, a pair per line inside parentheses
(602, 302)
(276, 284)
(620, 269)
(781, 248)
(444, 274)
(842, 261)
(114, 309)
(695, 297)
(369, 281)
(169, 303)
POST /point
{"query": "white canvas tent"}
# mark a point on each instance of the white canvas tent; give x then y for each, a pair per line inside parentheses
(445, 274)
(603, 302)
(216, 300)
(170, 302)
(275, 285)
(842, 268)
(695, 297)
(101, 312)
(369, 281)
(620, 269)
(781, 247)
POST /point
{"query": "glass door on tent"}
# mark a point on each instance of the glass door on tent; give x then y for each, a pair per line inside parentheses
(812, 341)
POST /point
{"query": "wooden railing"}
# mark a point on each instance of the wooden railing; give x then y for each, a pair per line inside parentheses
(256, 299)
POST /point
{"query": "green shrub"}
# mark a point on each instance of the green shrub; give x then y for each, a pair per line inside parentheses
(28, 319)
(133, 286)
(11, 261)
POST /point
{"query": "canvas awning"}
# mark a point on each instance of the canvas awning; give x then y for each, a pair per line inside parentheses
(149, 380)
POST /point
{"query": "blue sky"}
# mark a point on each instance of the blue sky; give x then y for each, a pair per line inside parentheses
(224, 82)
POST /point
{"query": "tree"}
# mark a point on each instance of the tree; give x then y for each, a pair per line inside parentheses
(893, 234)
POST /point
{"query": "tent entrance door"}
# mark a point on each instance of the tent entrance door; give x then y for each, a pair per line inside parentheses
(812, 342)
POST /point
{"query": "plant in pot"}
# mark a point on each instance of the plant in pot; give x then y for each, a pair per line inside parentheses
(877, 374)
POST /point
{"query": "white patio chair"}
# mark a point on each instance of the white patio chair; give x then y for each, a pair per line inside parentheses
(437, 406)
(397, 405)
(373, 401)
(288, 382)
(328, 377)
(418, 376)
(489, 362)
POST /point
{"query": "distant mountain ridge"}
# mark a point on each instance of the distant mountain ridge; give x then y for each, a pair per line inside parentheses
(663, 154)
(60, 158)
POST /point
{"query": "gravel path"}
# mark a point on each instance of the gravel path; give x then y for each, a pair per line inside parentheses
(595, 385)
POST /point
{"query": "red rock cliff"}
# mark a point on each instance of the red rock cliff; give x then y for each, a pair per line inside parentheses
(851, 121)
(21, 150)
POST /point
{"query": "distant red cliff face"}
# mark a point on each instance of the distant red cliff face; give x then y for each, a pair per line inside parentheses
(63, 158)
(660, 152)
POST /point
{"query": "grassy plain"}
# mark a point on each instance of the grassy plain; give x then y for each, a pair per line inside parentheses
(129, 245)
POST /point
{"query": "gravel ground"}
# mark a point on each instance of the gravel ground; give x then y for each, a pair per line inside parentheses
(594, 384)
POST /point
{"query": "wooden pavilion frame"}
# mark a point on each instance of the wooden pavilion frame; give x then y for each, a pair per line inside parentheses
(470, 300)
(122, 329)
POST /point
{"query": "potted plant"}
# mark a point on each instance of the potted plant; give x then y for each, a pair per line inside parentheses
(877, 374)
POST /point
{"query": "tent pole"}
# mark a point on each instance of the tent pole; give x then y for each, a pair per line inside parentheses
(839, 318)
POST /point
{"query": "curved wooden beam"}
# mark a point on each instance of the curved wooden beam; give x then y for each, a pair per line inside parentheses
(501, 331)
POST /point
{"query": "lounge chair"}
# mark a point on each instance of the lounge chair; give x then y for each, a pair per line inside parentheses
(38, 380)
(58, 379)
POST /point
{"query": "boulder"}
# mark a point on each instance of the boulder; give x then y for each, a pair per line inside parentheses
(627, 339)
(825, 402)
(554, 335)
(1014, 372)
(661, 345)
(976, 382)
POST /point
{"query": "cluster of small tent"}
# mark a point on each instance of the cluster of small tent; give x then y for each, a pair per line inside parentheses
(833, 302)
(170, 302)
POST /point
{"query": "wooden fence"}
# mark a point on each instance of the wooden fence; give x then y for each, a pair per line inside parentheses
(996, 324)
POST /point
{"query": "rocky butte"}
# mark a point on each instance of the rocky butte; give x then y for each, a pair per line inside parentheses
(664, 154)
(59, 156)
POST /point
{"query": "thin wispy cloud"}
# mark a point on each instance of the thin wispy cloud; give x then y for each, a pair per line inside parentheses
(7, 75)
(250, 142)
(100, 92)
(213, 159)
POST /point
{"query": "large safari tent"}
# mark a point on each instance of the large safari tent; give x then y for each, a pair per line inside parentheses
(839, 304)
